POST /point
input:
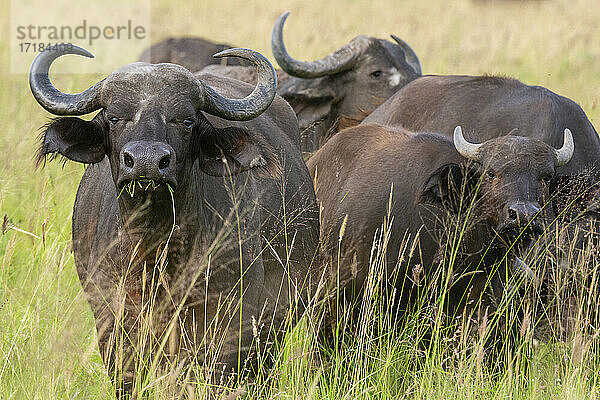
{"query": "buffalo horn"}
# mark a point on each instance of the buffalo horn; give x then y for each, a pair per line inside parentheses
(465, 148)
(250, 106)
(564, 154)
(409, 55)
(341, 60)
(52, 99)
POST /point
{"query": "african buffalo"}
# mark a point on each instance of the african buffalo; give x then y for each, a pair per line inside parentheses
(188, 225)
(488, 107)
(431, 189)
(339, 90)
(189, 52)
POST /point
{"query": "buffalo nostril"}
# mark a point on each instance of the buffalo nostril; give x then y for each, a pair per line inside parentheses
(128, 160)
(164, 162)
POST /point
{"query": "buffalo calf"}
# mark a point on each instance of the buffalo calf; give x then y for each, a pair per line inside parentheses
(431, 189)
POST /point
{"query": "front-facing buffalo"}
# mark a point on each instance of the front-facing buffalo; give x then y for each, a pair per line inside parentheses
(447, 203)
(192, 233)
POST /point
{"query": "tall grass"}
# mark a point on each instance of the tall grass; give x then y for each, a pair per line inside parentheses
(48, 346)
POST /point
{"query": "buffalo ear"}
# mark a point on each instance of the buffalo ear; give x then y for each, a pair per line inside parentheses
(311, 99)
(73, 138)
(232, 150)
(451, 186)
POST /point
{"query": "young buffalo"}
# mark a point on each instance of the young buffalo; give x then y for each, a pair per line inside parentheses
(465, 205)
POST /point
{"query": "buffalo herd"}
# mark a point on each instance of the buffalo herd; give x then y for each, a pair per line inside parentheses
(201, 234)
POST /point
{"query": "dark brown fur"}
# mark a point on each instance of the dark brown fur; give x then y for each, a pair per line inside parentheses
(199, 238)
(189, 52)
(488, 107)
(433, 186)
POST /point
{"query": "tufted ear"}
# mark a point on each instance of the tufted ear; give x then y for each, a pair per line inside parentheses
(232, 150)
(311, 99)
(451, 187)
(73, 138)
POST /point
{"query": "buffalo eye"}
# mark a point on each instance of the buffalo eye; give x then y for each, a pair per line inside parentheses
(188, 123)
(546, 179)
(490, 175)
(113, 120)
(376, 74)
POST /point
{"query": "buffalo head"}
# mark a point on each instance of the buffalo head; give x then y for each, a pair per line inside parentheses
(151, 124)
(152, 137)
(341, 89)
(511, 177)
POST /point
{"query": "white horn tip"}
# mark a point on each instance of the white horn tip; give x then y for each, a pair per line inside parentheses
(466, 149)
(458, 130)
(564, 154)
(568, 135)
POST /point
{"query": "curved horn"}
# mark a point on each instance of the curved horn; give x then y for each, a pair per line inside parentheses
(250, 106)
(52, 99)
(564, 154)
(465, 148)
(409, 55)
(341, 60)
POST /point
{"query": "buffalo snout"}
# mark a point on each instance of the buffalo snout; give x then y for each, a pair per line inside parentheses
(143, 160)
(521, 215)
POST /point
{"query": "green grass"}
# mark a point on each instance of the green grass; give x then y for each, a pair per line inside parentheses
(48, 343)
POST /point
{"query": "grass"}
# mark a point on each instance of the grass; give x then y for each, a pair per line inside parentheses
(48, 344)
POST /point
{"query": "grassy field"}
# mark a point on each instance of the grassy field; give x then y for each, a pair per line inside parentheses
(48, 347)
